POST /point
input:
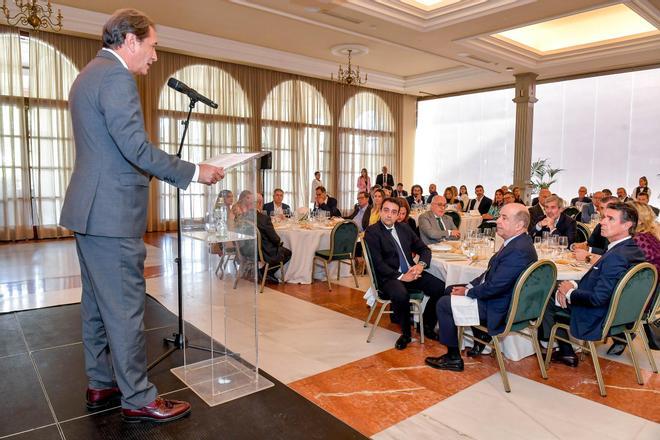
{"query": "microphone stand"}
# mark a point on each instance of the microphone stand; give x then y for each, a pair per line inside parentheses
(177, 340)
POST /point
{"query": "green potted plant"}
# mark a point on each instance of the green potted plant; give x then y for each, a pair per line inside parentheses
(542, 175)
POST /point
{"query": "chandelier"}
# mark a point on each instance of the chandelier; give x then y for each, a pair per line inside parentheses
(33, 14)
(349, 76)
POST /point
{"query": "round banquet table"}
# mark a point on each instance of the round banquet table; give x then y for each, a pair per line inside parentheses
(458, 271)
(303, 244)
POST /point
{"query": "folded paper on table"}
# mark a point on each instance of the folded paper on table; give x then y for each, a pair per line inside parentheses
(465, 310)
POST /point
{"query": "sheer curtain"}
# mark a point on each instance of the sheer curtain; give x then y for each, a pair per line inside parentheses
(366, 140)
(15, 214)
(211, 132)
(296, 127)
(602, 131)
(466, 140)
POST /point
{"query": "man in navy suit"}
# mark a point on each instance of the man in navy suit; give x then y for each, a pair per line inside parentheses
(326, 203)
(555, 222)
(276, 206)
(588, 300)
(391, 245)
(492, 290)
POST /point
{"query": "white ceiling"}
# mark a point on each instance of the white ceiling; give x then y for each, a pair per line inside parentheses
(445, 50)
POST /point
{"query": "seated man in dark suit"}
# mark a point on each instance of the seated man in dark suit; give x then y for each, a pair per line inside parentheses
(361, 211)
(643, 198)
(555, 221)
(276, 207)
(588, 300)
(537, 212)
(416, 197)
(481, 203)
(581, 198)
(589, 209)
(391, 246)
(399, 191)
(273, 249)
(492, 290)
(596, 244)
(433, 191)
(326, 203)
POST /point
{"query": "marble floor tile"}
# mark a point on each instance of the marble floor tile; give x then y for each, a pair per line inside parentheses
(530, 411)
(38, 300)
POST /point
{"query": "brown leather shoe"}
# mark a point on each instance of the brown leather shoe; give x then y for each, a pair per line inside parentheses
(159, 411)
(98, 399)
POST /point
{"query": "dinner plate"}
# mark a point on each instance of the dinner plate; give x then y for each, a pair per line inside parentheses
(440, 247)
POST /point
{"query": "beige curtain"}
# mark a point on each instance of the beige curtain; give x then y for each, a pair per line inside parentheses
(15, 214)
(366, 140)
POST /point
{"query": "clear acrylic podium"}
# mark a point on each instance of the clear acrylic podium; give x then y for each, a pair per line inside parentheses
(220, 284)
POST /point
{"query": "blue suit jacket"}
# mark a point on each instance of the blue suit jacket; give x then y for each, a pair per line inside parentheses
(591, 300)
(494, 288)
(270, 207)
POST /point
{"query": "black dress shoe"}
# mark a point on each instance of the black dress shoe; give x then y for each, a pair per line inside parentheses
(445, 362)
(402, 342)
(567, 359)
(617, 349)
(476, 349)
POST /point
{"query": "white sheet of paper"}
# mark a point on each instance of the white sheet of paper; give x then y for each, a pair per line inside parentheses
(465, 310)
(229, 160)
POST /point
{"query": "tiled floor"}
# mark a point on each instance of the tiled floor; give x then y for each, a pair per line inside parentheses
(314, 341)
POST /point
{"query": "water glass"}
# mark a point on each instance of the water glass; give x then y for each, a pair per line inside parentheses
(563, 242)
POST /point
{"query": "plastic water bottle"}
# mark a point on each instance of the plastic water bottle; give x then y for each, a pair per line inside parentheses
(220, 214)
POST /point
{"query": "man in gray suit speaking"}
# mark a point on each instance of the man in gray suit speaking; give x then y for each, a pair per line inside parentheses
(436, 226)
(106, 207)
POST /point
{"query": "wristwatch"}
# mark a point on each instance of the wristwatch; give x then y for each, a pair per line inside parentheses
(423, 263)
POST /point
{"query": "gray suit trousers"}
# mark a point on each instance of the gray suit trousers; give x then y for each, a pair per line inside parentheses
(113, 297)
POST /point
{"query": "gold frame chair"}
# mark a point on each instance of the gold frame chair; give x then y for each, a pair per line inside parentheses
(350, 256)
(516, 326)
(246, 264)
(590, 346)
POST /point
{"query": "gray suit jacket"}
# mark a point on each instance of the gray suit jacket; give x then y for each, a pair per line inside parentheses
(109, 188)
(429, 230)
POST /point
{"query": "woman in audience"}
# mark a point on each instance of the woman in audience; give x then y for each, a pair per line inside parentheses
(378, 196)
(364, 181)
(404, 215)
(642, 188)
(449, 195)
(494, 211)
(464, 197)
(647, 238)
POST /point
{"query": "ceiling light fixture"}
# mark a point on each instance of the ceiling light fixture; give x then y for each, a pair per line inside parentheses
(350, 75)
(33, 14)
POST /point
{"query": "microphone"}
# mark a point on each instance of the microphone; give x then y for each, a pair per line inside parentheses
(191, 93)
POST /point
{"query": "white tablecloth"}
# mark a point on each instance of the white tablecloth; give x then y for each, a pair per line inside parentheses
(469, 223)
(303, 243)
(514, 347)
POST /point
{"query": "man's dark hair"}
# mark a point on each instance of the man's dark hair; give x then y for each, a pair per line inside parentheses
(607, 191)
(363, 193)
(278, 190)
(122, 22)
(628, 214)
(394, 200)
(608, 199)
(412, 189)
(321, 188)
(478, 186)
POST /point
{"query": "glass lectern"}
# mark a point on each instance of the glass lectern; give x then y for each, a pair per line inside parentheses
(222, 283)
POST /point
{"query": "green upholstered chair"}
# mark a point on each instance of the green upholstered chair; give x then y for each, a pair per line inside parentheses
(416, 297)
(343, 240)
(582, 233)
(572, 212)
(530, 298)
(650, 315)
(624, 317)
(456, 218)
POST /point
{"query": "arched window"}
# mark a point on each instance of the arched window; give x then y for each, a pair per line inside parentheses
(366, 140)
(296, 128)
(37, 166)
(211, 132)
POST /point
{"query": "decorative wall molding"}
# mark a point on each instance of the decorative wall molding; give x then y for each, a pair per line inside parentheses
(529, 58)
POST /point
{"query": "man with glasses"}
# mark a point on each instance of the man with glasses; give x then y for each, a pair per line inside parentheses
(436, 226)
(391, 246)
(361, 211)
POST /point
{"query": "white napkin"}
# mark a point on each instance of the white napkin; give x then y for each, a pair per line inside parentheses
(465, 310)
(371, 296)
